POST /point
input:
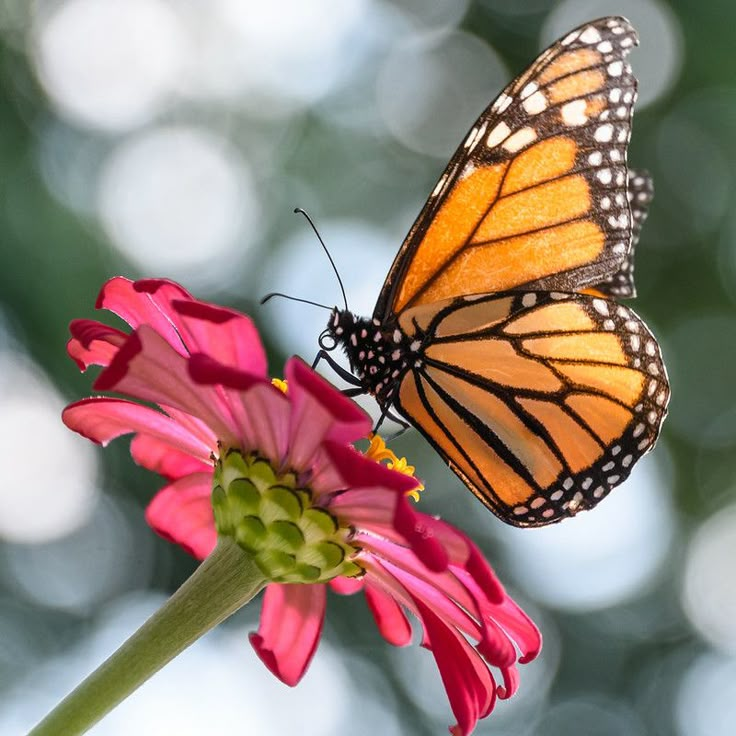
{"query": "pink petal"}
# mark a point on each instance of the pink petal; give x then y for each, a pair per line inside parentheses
(207, 371)
(291, 624)
(347, 586)
(496, 647)
(468, 681)
(93, 343)
(394, 566)
(464, 553)
(368, 509)
(264, 421)
(130, 301)
(226, 336)
(102, 419)
(162, 458)
(510, 685)
(259, 411)
(324, 476)
(389, 617)
(358, 471)
(319, 412)
(146, 367)
(182, 513)
(520, 628)
(417, 529)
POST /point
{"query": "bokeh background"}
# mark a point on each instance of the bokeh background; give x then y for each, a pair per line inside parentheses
(174, 138)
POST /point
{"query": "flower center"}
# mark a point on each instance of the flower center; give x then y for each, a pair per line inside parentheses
(266, 513)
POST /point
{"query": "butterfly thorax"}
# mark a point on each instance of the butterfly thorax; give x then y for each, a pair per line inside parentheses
(379, 353)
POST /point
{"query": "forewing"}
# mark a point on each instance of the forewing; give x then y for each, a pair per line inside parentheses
(521, 203)
(541, 402)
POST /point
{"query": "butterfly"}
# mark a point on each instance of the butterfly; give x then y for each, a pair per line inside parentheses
(496, 333)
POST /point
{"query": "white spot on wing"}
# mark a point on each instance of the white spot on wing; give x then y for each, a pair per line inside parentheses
(573, 113)
(590, 35)
(603, 133)
(535, 103)
(520, 139)
(498, 134)
(502, 103)
(529, 90)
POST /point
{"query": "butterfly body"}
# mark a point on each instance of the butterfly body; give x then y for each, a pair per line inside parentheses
(379, 354)
(496, 333)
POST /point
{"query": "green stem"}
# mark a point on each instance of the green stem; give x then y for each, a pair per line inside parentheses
(223, 583)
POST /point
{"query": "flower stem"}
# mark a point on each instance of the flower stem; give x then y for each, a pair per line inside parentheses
(224, 582)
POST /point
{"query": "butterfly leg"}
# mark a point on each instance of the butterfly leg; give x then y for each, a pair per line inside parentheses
(344, 374)
(388, 414)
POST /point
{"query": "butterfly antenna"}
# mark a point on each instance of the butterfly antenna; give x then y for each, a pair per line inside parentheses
(300, 211)
(270, 296)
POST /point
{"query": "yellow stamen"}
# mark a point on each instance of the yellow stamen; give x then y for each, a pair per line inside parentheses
(280, 385)
(378, 451)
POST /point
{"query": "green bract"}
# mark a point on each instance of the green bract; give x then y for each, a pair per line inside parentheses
(268, 515)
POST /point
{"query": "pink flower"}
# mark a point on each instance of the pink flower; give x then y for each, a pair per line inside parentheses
(278, 473)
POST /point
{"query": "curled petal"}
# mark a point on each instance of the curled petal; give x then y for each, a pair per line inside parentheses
(134, 302)
(520, 628)
(291, 624)
(469, 683)
(93, 343)
(182, 513)
(146, 367)
(496, 647)
(510, 685)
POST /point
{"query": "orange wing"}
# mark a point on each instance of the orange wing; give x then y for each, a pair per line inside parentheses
(535, 196)
(541, 402)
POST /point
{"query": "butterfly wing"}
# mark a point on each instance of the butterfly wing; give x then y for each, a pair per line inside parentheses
(522, 201)
(640, 194)
(541, 402)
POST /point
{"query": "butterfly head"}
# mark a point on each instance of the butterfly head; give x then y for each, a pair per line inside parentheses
(340, 326)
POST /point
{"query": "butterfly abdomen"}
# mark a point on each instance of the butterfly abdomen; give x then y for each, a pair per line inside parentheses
(379, 354)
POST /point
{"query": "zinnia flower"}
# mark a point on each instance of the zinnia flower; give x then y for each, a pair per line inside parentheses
(276, 471)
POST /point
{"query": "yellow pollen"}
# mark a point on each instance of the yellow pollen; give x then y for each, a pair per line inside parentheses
(378, 451)
(280, 385)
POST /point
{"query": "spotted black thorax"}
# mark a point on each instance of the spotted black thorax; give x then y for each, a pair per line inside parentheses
(379, 354)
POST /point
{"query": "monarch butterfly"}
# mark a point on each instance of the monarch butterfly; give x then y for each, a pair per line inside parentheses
(495, 333)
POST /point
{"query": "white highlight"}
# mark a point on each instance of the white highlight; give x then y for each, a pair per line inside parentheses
(108, 64)
(48, 487)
